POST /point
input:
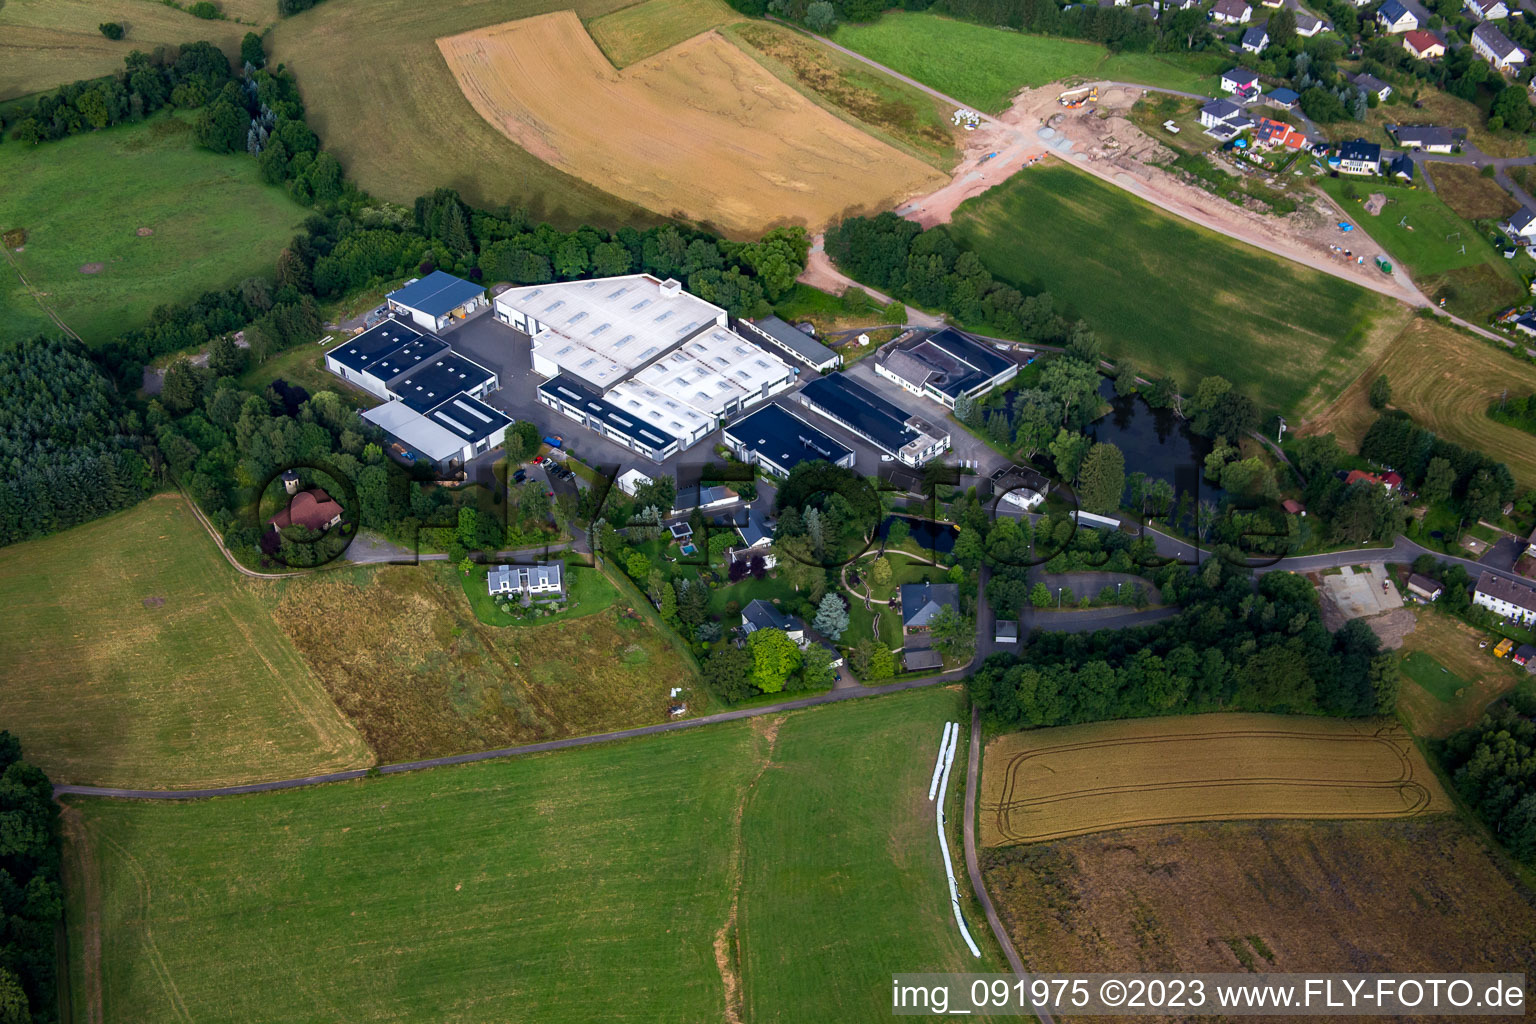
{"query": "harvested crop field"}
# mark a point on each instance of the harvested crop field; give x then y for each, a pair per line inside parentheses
(1445, 381)
(701, 132)
(1420, 895)
(400, 651)
(1050, 784)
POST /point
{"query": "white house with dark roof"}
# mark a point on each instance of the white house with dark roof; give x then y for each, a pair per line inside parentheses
(543, 581)
(1425, 137)
(1394, 16)
(438, 299)
(1231, 12)
(1371, 84)
(1496, 48)
(759, 614)
(1521, 225)
(1256, 39)
(921, 602)
(1506, 598)
(1487, 10)
(1360, 157)
(1308, 25)
(1240, 81)
(1224, 120)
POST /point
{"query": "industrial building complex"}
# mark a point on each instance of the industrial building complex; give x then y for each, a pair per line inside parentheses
(945, 366)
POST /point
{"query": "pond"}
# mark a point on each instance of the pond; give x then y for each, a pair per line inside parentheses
(930, 536)
(1155, 442)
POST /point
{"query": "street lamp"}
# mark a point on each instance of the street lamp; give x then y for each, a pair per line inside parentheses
(1058, 597)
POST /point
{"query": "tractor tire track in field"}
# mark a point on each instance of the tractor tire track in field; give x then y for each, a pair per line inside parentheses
(1416, 797)
(39, 296)
(727, 944)
(83, 854)
(162, 971)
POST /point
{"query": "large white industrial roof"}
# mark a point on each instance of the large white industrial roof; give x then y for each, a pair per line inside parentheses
(601, 330)
(415, 430)
(713, 370)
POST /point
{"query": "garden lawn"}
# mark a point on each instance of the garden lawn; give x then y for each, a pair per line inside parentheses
(1434, 677)
(985, 66)
(1175, 298)
(590, 884)
(588, 591)
(135, 656)
(209, 222)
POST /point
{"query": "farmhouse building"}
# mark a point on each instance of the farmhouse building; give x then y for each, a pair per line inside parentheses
(435, 301)
(922, 602)
(1506, 598)
(790, 341)
(544, 580)
(1487, 10)
(1424, 587)
(945, 366)
(759, 614)
(1425, 137)
(1495, 47)
(1394, 16)
(1360, 157)
(888, 427)
(778, 441)
(1256, 39)
(1240, 81)
(1424, 45)
(1521, 225)
(1231, 12)
(312, 509)
(640, 360)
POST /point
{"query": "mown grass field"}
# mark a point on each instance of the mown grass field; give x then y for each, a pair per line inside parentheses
(1173, 297)
(402, 127)
(1446, 381)
(1448, 679)
(790, 859)
(1049, 784)
(1420, 230)
(890, 110)
(1419, 895)
(48, 43)
(985, 67)
(83, 201)
(135, 656)
(644, 30)
(401, 652)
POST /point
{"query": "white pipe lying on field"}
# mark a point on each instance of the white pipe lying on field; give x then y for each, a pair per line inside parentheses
(938, 764)
(949, 870)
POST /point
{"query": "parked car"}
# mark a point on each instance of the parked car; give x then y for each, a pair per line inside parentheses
(537, 459)
(520, 476)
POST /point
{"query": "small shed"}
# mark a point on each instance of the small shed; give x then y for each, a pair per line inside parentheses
(921, 658)
(1424, 587)
(1007, 632)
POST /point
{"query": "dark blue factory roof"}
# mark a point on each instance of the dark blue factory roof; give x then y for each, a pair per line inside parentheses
(373, 344)
(433, 380)
(437, 293)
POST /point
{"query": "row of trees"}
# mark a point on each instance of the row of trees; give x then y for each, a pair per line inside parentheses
(1517, 412)
(1230, 648)
(31, 898)
(929, 269)
(183, 77)
(70, 450)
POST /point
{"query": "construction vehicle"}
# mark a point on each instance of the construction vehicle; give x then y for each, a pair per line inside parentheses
(1072, 99)
(1503, 647)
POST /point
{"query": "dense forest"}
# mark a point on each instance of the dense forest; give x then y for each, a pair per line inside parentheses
(31, 898)
(1493, 765)
(70, 450)
(1230, 648)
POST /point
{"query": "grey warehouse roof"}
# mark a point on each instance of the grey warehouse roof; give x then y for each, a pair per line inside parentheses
(437, 293)
(794, 339)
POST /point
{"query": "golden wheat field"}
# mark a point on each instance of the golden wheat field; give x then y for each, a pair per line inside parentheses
(700, 132)
(1053, 783)
(1445, 381)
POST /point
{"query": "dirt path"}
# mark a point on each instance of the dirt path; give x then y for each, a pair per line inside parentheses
(39, 297)
(81, 862)
(727, 946)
